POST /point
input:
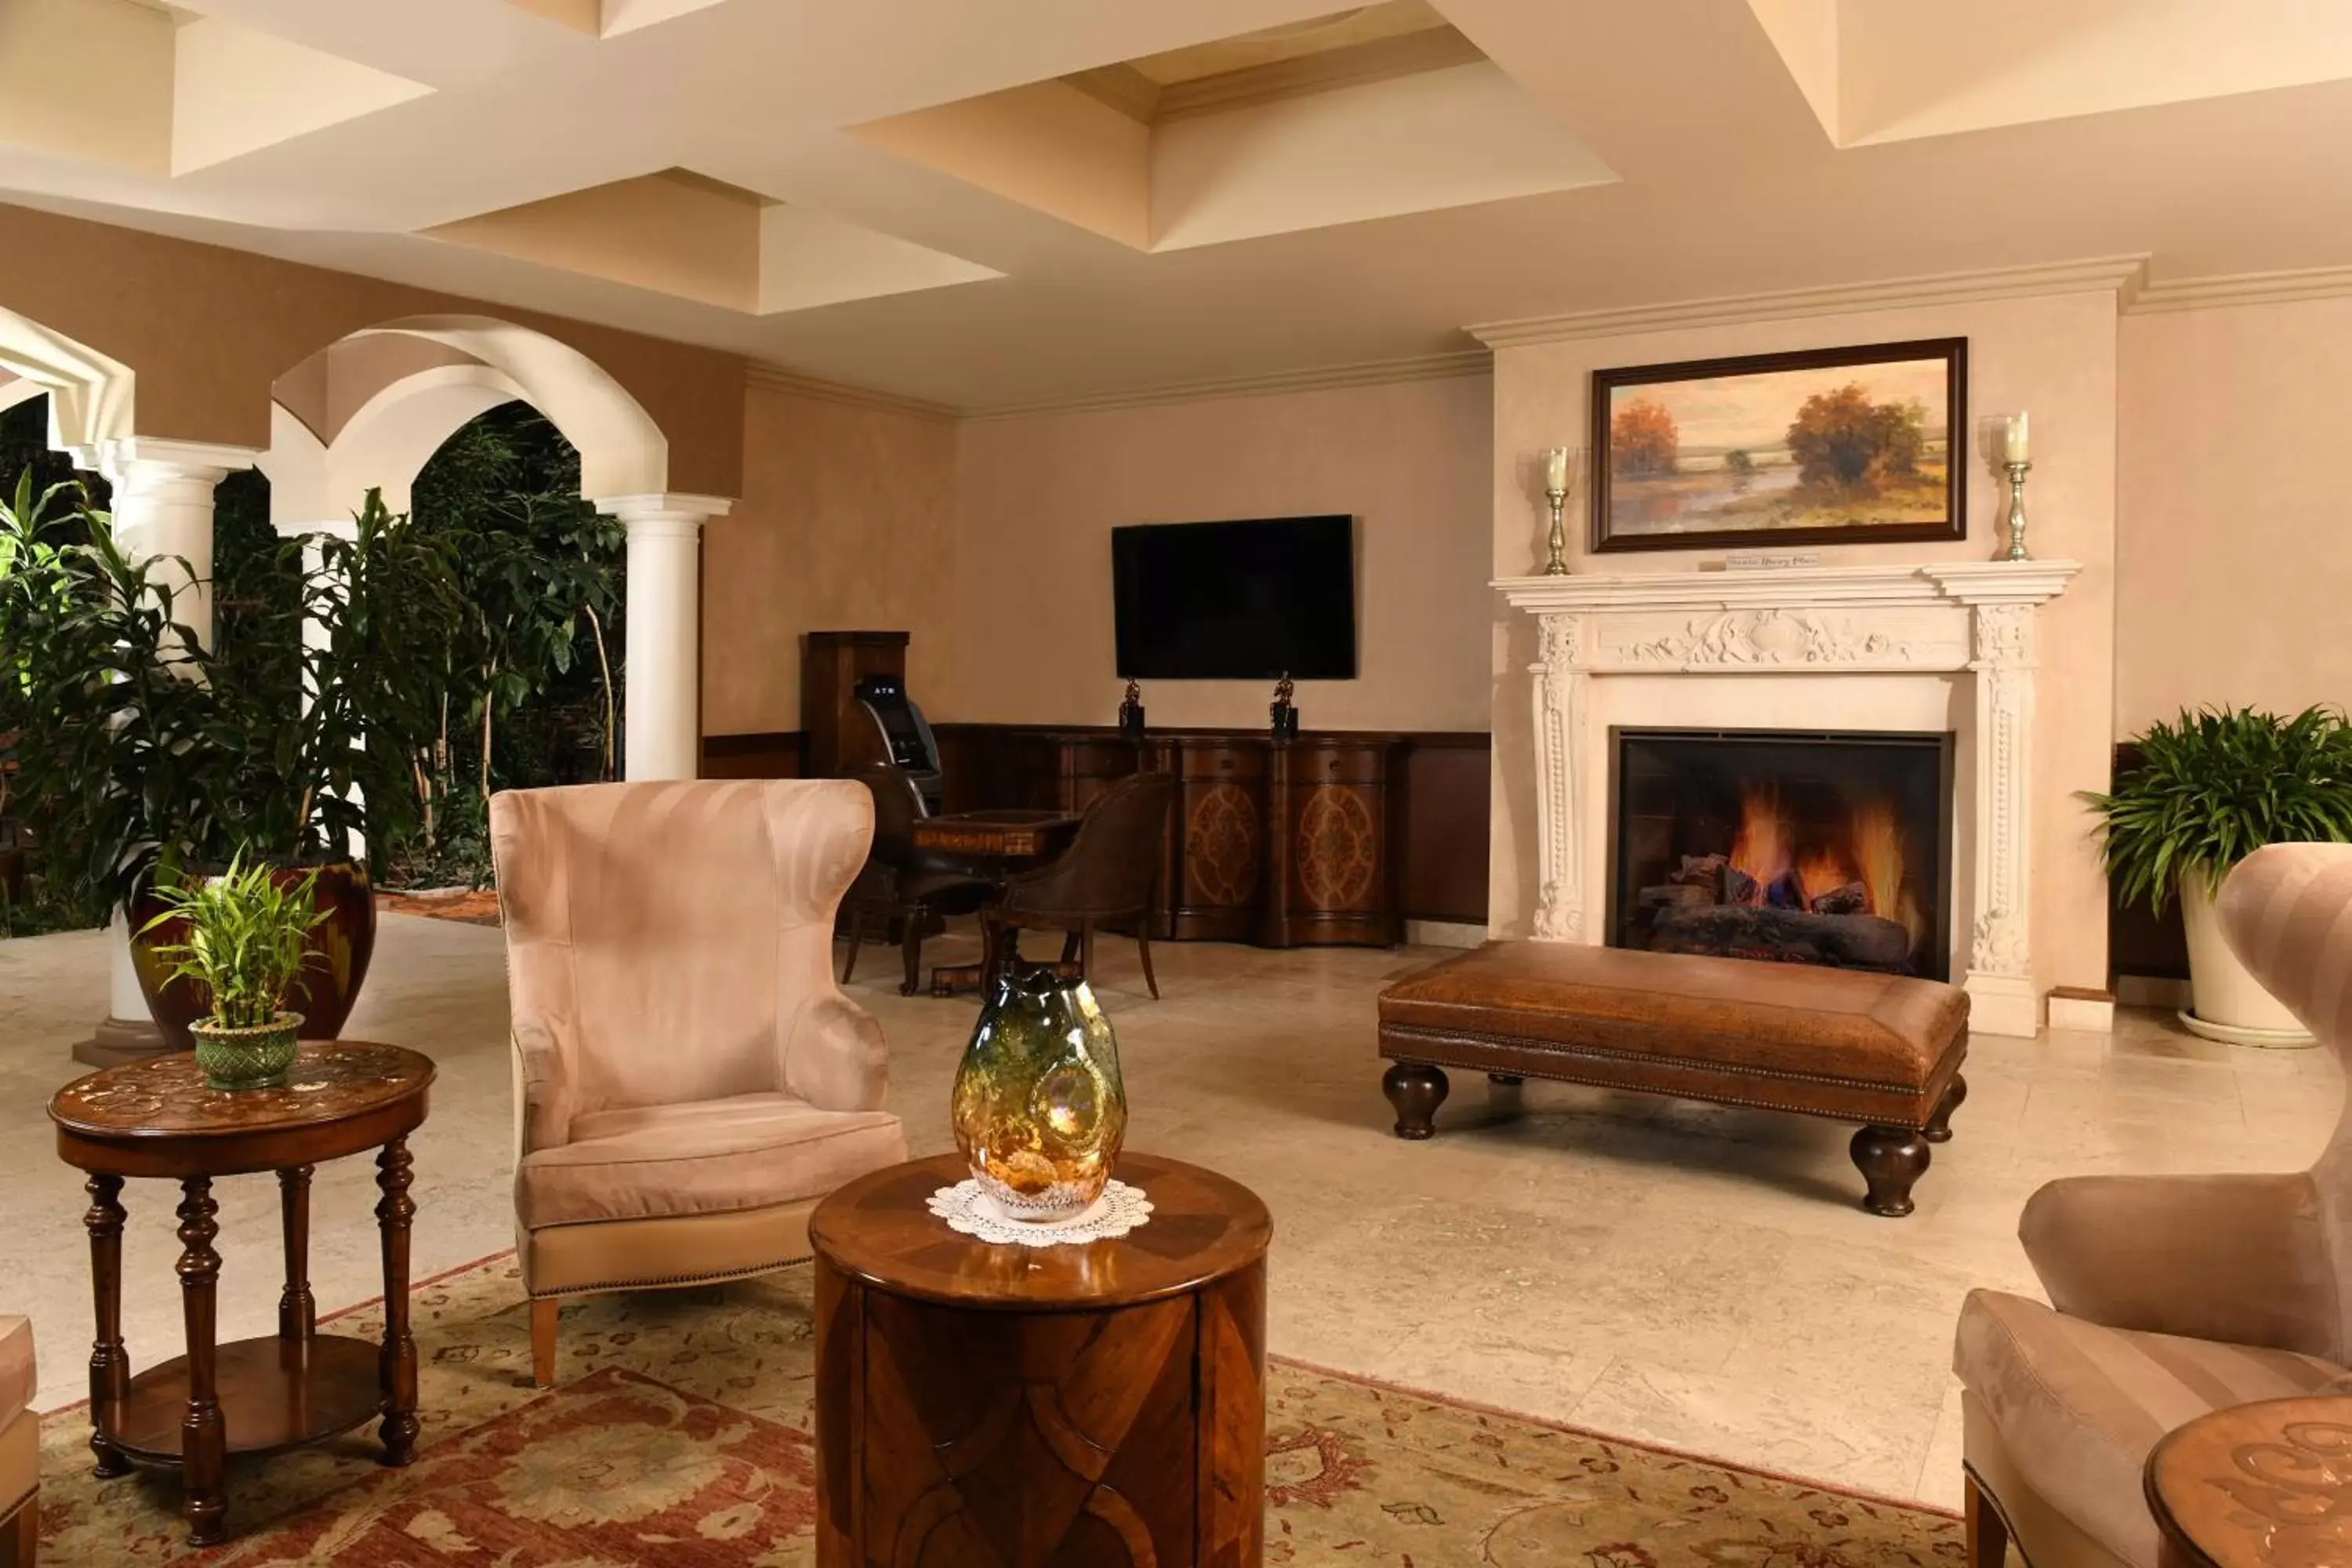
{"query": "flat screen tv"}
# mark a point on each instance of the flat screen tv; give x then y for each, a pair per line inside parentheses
(1236, 601)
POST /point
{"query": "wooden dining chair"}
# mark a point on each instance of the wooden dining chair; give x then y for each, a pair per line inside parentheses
(1110, 872)
(900, 881)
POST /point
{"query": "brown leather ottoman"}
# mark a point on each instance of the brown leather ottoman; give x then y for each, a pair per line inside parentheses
(1881, 1049)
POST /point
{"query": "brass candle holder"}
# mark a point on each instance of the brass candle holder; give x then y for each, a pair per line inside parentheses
(2016, 550)
(1558, 565)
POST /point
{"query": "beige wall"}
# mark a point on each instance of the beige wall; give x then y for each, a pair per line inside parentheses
(846, 522)
(2236, 554)
(1036, 499)
(2055, 355)
(208, 330)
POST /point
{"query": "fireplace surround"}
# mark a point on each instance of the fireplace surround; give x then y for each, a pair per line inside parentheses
(1797, 846)
(1896, 648)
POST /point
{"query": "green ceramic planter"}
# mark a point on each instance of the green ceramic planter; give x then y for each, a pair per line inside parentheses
(253, 1058)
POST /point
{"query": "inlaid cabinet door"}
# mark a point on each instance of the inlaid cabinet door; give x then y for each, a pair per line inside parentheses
(1220, 805)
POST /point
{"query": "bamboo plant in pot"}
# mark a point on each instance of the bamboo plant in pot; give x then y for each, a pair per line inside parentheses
(2208, 791)
(247, 943)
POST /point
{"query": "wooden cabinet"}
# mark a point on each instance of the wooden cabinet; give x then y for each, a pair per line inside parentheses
(1283, 844)
(831, 664)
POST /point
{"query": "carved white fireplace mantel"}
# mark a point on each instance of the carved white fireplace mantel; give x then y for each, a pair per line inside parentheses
(1942, 623)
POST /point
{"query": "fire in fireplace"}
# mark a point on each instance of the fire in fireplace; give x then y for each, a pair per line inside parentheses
(1796, 847)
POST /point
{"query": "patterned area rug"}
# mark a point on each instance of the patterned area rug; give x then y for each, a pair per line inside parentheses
(473, 906)
(680, 1434)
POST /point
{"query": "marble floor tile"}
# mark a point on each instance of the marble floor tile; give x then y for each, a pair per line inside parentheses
(1693, 1275)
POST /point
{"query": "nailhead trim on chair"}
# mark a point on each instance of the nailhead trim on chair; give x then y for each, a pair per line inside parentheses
(670, 1279)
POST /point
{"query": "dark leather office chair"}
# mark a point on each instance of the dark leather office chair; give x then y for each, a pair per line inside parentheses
(1110, 872)
(902, 882)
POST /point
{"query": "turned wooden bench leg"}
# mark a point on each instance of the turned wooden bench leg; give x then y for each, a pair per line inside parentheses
(1890, 1159)
(543, 1309)
(1416, 1090)
(1939, 1125)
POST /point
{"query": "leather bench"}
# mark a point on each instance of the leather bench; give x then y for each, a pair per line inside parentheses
(1853, 1046)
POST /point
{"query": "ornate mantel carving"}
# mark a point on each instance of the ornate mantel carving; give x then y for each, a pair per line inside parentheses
(1975, 618)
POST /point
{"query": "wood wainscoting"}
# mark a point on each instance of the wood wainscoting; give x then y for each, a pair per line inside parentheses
(1400, 832)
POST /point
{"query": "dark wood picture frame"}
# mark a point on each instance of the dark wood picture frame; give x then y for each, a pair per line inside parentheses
(1960, 454)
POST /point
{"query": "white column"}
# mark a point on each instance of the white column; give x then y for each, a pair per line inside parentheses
(1559, 687)
(314, 631)
(661, 713)
(2003, 998)
(162, 506)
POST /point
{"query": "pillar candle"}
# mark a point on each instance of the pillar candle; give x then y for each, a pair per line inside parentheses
(1556, 469)
(2014, 447)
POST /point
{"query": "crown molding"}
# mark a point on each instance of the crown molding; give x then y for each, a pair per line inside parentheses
(1376, 59)
(2119, 274)
(2223, 290)
(778, 379)
(1376, 372)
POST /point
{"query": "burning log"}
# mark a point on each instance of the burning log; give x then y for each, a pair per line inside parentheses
(1783, 935)
(1853, 899)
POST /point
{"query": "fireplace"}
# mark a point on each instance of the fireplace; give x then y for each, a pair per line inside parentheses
(1792, 845)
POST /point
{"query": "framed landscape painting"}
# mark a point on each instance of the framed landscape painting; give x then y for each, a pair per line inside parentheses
(1851, 446)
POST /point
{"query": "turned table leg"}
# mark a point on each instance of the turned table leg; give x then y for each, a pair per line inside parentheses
(1939, 1123)
(204, 1437)
(1890, 1159)
(298, 1314)
(109, 1364)
(392, 1213)
(1416, 1090)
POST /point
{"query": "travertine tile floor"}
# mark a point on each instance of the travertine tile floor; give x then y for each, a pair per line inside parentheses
(1694, 1276)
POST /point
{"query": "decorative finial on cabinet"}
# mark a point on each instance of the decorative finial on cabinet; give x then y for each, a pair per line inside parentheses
(1131, 712)
(1285, 716)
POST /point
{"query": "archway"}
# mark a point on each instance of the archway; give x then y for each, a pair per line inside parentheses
(397, 424)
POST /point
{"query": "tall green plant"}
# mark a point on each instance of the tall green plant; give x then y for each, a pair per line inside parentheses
(2212, 788)
(385, 609)
(248, 938)
(126, 747)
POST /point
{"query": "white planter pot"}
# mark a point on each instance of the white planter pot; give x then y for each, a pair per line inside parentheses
(2226, 1002)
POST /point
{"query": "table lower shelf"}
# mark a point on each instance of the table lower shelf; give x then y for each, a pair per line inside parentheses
(274, 1394)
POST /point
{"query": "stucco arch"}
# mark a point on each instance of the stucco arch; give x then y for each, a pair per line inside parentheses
(384, 445)
(622, 451)
(91, 394)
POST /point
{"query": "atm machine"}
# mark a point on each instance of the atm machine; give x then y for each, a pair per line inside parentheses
(906, 737)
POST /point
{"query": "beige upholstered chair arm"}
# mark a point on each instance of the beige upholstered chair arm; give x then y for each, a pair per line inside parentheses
(2237, 1258)
(835, 1056)
(543, 1092)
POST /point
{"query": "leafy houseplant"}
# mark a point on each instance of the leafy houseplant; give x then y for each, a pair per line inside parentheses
(248, 943)
(2208, 791)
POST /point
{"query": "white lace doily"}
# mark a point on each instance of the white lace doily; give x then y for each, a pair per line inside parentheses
(968, 1211)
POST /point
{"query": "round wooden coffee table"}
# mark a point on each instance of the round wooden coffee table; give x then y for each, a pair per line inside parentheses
(1096, 1403)
(2266, 1485)
(157, 1118)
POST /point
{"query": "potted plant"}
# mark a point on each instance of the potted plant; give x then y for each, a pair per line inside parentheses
(2206, 791)
(248, 942)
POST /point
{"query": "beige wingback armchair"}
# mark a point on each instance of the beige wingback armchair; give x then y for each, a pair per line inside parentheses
(2173, 1295)
(689, 1081)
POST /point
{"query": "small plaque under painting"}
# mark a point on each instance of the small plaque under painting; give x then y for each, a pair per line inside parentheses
(1769, 561)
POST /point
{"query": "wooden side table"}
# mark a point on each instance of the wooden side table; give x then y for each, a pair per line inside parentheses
(157, 1118)
(2266, 1485)
(1102, 1403)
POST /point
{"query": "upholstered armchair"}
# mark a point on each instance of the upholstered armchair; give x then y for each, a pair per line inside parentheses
(2171, 1296)
(688, 1079)
(20, 1448)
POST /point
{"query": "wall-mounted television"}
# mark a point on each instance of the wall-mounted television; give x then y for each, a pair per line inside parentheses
(1236, 601)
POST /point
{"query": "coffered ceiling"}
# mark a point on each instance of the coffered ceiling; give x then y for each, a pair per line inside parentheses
(997, 203)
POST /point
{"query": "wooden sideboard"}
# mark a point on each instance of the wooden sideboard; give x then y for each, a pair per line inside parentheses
(1286, 844)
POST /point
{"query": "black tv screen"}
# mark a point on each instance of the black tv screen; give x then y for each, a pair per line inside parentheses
(1236, 601)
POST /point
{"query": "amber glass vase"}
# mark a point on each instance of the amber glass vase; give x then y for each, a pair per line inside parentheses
(1040, 1110)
